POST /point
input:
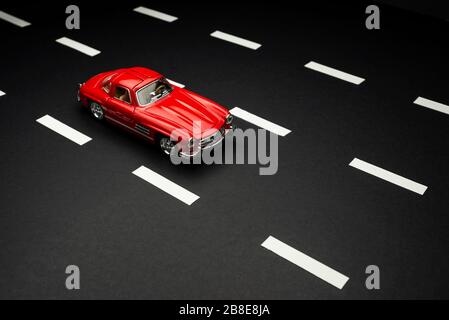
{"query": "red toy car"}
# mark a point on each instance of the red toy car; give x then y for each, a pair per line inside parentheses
(144, 102)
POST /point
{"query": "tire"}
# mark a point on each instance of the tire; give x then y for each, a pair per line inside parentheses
(166, 144)
(96, 110)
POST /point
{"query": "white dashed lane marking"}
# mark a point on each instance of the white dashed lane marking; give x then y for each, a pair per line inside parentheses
(78, 46)
(64, 130)
(305, 262)
(388, 176)
(176, 83)
(423, 102)
(2, 93)
(260, 122)
(155, 14)
(166, 185)
(14, 20)
(236, 40)
(334, 73)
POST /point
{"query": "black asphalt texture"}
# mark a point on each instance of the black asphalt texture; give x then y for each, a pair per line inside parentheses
(64, 204)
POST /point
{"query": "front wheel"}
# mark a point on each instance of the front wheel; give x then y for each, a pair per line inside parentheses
(97, 111)
(166, 145)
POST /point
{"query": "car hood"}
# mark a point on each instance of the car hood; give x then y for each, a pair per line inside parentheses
(182, 111)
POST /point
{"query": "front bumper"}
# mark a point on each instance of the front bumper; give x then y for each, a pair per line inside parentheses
(217, 141)
(78, 96)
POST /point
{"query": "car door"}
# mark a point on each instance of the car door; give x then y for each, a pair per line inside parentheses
(121, 107)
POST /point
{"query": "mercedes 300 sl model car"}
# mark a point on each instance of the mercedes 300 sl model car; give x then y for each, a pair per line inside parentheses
(144, 102)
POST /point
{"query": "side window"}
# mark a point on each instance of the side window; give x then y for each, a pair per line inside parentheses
(107, 87)
(122, 94)
(106, 84)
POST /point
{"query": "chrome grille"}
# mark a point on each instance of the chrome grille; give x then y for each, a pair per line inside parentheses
(206, 141)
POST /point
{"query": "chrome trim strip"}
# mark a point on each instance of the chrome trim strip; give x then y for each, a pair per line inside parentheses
(128, 127)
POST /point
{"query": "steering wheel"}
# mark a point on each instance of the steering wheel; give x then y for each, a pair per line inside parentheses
(160, 88)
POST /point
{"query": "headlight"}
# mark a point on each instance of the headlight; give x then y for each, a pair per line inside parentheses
(229, 119)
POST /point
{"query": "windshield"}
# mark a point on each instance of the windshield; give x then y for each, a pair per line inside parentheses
(153, 92)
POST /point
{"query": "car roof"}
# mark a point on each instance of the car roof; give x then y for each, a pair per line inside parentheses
(136, 77)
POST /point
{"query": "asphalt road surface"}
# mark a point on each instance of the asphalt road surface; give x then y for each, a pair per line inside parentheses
(64, 204)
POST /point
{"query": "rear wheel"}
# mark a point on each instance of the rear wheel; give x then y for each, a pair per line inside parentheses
(97, 111)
